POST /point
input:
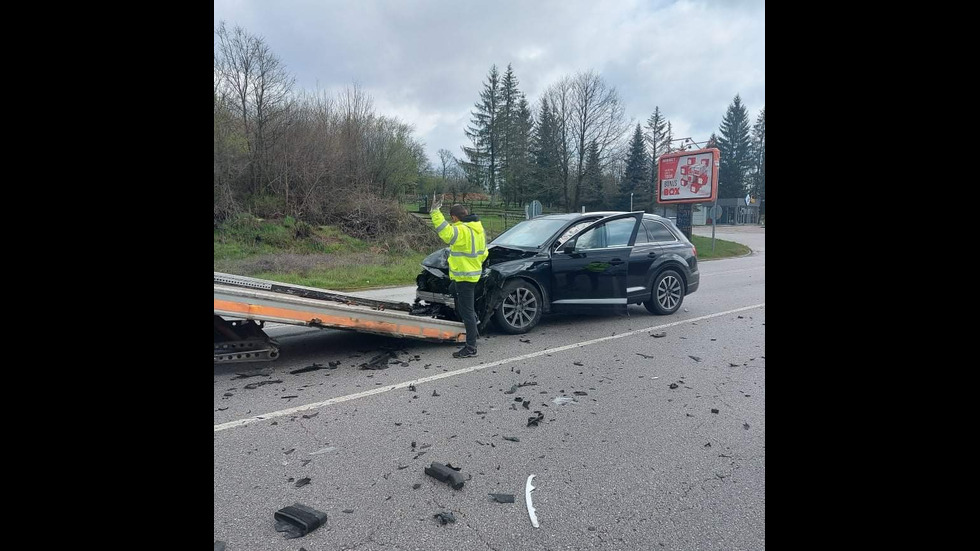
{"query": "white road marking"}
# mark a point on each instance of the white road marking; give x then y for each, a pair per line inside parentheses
(471, 369)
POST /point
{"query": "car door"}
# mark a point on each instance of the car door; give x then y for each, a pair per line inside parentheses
(592, 268)
(644, 254)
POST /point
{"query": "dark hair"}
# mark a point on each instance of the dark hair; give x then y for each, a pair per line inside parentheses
(459, 211)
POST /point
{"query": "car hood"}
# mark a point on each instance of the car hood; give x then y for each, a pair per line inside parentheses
(497, 254)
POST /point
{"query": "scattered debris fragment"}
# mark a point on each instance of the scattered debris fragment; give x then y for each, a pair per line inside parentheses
(297, 520)
(308, 369)
(400, 467)
(311, 416)
(411, 388)
(253, 386)
(745, 426)
(323, 450)
(740, 317)
(562, 400)
(481, 413)
(646, 356)
(695, 358)
(434, 393)
(290, 397)
(380, 361)
(580, 393)
(713, 410)
(512, 438)
(348, 511)
(444, 517)
(289, 451)
(526, 340)
(503, 498)
(416, 486)
(533, 421)
(514, 388)
(450, 466)
(443, 473)
(222, 409)
(658, 335)
(580, 364)
(302, 482)
(708, 445)
(526, 404)
(304, 462)
(528, 488)
(673, 386)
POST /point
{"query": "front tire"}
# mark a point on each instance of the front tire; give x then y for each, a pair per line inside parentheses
(667, 295)
(521, 307)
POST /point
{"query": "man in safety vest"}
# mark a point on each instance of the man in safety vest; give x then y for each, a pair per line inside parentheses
(467, 251)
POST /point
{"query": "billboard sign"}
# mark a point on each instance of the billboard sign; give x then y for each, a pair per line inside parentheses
(688, 176)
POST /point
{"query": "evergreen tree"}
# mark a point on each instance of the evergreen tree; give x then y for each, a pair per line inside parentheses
(594, 197)
(656, 131)
(759, 150)
(736, 151)
(635, 176)
(547, 156)
(483, 165)
(507, 131)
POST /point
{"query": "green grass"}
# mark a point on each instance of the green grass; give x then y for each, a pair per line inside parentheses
(723, 249)
(390, 271)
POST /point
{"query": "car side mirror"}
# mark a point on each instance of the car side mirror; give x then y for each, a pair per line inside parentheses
(567, 247)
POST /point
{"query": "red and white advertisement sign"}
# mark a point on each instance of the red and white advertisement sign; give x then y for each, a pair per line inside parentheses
(688, 176)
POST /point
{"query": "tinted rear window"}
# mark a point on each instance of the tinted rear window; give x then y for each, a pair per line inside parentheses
(659, 232)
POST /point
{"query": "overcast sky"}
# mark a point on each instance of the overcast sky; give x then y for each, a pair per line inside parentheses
(425, 61)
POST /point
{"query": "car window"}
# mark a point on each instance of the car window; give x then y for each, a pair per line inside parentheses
(618, 232)
(659, 232)
(529, 233)
(611, 234)
(641, 234)
(575, 228)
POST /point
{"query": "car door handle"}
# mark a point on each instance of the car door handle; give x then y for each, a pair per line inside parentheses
(652, 255)
(615, 261)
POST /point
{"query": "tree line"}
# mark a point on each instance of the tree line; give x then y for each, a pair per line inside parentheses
(279, 151)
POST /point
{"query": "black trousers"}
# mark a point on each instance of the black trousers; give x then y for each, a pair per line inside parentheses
(465, 307)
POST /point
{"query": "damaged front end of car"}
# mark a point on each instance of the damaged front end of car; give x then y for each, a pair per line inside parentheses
(434, 294)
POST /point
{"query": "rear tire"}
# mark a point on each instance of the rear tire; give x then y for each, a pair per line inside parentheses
(520, 309)
(667, 295)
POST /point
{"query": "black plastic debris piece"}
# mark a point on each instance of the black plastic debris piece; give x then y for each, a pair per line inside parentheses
(580, 393)
(518, 399)
(673, 386)
(740, 317)
(580, 364)
(348, 511)
(222, 409)
(398, 424)
(380, 361)
(695, 358)
(307, 369)
(533, 421)
(302, 482)
(304, 462)
(416, 486)
(289, 451)
(400, 467)
(708, 445)
(525, 340)
(526, 404)
(413, 444)
(658, 335)
(442, 473)
(311, 416)
(512, 438)
(228, 394)
(730, 364)
(253, 386)
(512, 390)
(434, 393)
(745, 426)
(261, 373)
(450, 465)
(423, 446)
(288, 397)
(219, 545)
(481, 413)
(444, 517)
(646, 356)
(297, 520)
(713, 410)
(502, 498)
(411, 388)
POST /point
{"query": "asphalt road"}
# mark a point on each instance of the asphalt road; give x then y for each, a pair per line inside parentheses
(630, 464)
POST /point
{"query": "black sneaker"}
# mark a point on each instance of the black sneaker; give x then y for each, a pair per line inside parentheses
(465, 352)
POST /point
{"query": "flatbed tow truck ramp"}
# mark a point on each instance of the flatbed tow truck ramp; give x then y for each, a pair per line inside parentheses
(242, 305)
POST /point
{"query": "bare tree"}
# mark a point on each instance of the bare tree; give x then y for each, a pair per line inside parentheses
(597, 115)
(560, 97)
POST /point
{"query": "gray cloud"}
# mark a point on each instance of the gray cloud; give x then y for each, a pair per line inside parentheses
(425, 61)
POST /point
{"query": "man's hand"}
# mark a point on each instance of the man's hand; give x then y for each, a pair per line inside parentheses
(436, 202)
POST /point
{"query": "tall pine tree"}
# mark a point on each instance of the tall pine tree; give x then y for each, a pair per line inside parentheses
(594, 197)
(547, 155)
(656, 132)
(736, 151)
(759, 150)
(507, 131)
(483, 165)
(635, 176)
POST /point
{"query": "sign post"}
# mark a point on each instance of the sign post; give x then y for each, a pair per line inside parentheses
(686, 177)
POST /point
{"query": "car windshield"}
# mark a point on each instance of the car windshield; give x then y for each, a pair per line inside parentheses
(529, 233)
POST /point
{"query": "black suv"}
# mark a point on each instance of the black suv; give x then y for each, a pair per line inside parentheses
(565, 262)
